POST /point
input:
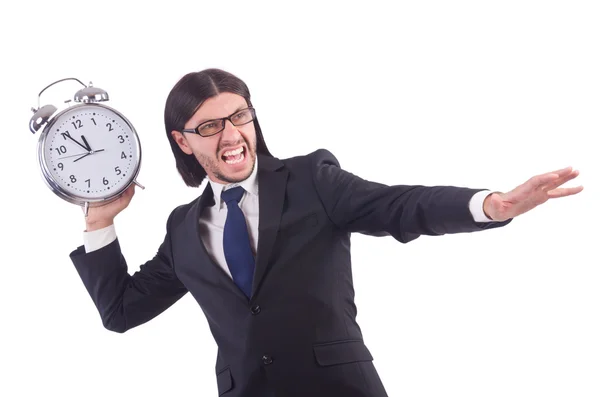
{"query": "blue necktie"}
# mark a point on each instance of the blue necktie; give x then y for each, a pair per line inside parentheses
(236, 241)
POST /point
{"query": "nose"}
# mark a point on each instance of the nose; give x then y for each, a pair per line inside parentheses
(230, 132)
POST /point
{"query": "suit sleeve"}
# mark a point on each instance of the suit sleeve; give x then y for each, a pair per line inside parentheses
(125, 301)
(402, 211)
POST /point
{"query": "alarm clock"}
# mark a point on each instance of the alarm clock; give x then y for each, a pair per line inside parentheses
(88, 153)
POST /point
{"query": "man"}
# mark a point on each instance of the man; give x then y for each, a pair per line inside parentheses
(265, 248)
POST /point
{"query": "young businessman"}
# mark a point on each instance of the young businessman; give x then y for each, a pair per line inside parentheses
(265, 249)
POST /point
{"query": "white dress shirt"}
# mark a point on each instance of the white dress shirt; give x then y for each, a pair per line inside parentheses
(213, 219)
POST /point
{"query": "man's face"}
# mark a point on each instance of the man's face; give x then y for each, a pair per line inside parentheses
(219, 154)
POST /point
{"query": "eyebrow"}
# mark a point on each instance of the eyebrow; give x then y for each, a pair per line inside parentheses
(235, 111)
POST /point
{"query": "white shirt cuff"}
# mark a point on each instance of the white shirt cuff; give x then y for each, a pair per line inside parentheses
(476, 206)
(97, 239)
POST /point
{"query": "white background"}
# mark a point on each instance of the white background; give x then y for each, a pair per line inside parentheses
(468, 93)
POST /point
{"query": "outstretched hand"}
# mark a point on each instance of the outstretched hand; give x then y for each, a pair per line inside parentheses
(537, 190)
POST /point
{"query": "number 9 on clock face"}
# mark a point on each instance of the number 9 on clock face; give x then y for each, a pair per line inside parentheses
(89, 153)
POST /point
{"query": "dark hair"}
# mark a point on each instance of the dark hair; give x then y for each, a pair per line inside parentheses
(183, 101)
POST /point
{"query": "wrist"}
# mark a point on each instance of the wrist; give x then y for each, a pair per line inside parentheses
(90, 226)
(487, 206)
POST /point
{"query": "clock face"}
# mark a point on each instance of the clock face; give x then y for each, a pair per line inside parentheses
(91, 152)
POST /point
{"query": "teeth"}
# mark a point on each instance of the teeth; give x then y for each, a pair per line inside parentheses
(235, 161)
(233, 152)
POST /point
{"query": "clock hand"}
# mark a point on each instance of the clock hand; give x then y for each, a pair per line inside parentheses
(87, 154)
(89, 148)
(66, 157)
(69, 136)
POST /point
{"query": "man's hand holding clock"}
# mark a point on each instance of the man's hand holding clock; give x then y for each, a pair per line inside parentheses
(102, 216)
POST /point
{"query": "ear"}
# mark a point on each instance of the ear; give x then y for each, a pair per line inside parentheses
(182, 142)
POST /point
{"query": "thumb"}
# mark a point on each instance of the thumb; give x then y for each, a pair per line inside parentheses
(127, 195)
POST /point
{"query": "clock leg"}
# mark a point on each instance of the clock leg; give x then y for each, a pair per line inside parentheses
(138, 185)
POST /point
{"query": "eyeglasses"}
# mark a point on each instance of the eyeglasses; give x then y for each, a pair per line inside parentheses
(212, 127)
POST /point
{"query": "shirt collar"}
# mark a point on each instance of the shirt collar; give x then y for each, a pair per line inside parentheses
(249, 184)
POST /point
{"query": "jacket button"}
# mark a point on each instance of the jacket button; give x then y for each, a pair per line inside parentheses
(255, 310)
(266, 359)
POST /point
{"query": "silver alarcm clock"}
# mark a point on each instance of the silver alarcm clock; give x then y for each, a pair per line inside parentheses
(88, 153)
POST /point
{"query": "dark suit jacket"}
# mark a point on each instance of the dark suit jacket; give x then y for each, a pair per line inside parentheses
(297, 335)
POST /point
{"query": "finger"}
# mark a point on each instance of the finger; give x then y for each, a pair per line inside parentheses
(562, 180)
(128, 194)
(562, 171)
(543, 179)
(564, 192)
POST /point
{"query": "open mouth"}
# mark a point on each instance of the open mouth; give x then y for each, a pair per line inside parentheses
(234, 156)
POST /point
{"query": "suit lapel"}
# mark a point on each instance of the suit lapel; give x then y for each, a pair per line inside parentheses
(272, 179)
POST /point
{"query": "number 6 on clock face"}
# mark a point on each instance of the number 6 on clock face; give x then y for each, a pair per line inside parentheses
(89, 152)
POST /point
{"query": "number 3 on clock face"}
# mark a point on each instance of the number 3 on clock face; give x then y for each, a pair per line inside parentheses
(90, 153)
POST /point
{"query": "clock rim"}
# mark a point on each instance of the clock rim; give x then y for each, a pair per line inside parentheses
(72, 197)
